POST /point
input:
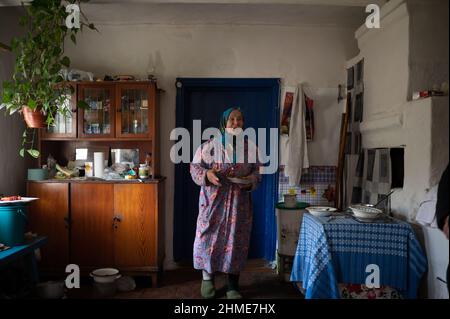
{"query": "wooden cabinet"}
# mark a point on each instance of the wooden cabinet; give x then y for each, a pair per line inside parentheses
(97, 121)
(65, 124)
(91, 220)
(121, 115)
(135, 225)
(110, 224)
(125, 110)
(135, 110)
(49, 216)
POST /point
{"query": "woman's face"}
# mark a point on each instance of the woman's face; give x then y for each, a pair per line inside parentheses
(235, 120)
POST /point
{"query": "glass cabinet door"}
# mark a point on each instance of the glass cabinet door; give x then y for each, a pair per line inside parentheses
(65, 124)
(97, 121)
(133, 111)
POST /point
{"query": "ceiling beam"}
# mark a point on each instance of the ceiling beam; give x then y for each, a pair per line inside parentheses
(349, 3)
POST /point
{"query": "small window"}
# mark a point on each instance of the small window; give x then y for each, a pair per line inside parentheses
(397, 166)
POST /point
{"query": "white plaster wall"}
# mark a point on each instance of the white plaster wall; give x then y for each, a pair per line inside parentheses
(410, 52)
(385, 52)
(424, 122)
(315, 55)
(324, 148)
(428, 45)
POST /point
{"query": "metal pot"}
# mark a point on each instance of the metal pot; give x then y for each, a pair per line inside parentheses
(51, 289)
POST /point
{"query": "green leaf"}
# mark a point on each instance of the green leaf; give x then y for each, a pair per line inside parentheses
(73, 38)
(82, 105)
(22, 152)
(32, 104)
(24, 134)
(65, 61)
(34, 153)
(57, 51)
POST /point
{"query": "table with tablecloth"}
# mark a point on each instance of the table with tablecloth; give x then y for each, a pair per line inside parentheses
(339, 249)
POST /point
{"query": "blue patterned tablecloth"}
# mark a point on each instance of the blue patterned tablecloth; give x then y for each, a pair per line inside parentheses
(332, 251)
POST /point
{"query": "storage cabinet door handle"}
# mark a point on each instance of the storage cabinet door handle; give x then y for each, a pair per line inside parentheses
(118, 217)
(67, 221)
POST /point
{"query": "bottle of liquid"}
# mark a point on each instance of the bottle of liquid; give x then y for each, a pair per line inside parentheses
(143, 171)
(109, 157)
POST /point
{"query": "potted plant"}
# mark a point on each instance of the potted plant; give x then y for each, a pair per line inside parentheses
(38, 89)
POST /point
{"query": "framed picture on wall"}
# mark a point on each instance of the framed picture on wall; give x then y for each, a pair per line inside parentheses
(288, 101)
(350, 78)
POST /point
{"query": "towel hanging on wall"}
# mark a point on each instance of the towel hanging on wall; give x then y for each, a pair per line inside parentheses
(294, 146)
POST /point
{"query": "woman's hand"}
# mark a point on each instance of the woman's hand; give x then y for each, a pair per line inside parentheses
(212, 177)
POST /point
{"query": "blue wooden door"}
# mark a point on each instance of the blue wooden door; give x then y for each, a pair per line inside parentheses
(205, 100)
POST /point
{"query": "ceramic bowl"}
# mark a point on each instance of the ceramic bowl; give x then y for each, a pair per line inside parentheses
(320, 211)
(365, 211)
(105, 275)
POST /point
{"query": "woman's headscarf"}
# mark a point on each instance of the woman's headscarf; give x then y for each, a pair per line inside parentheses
(222, 126)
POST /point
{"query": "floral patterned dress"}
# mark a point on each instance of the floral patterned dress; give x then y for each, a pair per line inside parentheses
(224, 221)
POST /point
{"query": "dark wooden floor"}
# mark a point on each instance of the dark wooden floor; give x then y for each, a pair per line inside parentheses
(257, 281)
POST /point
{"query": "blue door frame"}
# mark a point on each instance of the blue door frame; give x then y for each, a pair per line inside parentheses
(193, 95)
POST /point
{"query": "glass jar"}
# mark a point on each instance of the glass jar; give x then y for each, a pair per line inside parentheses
(143, 171)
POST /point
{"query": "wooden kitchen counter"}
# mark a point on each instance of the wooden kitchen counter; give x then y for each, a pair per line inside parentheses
(102, 181)
(100, 223)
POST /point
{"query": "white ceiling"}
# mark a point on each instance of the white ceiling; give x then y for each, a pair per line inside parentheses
(346, 13)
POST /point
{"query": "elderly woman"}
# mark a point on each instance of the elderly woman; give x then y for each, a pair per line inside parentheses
(225, 209)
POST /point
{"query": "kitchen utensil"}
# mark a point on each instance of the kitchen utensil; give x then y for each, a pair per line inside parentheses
(21, 201)
(105, 275)
(383, 199)
(366, 211)
(51, 289)
(320, 211)
(37, 174)
(290, 200)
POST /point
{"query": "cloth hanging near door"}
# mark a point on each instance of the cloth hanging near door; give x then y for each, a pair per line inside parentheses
(296, 144)
(373, 177)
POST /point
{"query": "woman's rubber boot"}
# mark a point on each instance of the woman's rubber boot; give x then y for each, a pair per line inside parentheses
(233, 294)
(233, 287)
(207, 290)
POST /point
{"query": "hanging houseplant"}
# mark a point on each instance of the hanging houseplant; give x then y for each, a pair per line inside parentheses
(37, 89)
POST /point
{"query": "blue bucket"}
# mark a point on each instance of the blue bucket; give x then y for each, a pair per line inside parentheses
(12, 224)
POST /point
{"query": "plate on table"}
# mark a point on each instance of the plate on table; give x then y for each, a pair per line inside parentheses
(321, 211)
(237, 180)
(22, 200)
